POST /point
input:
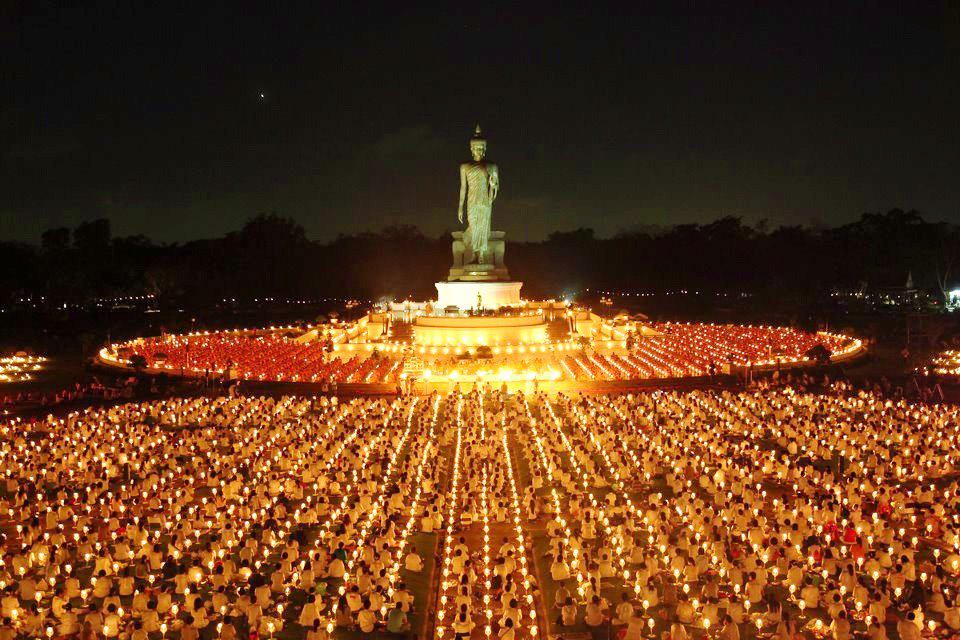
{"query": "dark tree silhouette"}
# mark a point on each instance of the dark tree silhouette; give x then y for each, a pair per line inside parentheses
(272, 257)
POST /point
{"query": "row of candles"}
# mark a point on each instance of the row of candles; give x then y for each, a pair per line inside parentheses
(20, 368)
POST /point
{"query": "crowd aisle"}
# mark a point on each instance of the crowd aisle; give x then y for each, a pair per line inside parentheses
(487, 585)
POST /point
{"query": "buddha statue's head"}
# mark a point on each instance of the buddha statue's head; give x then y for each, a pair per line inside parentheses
(478, 146)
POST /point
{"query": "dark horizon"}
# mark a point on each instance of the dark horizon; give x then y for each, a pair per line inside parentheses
(272, 256)
(608, 119)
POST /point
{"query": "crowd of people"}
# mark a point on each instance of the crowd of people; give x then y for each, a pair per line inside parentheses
(679, 350)
(261, 356)
(93, 390)
(487, 581)
(212, 517)
(675, 514)
(720, 512)
(697, 344)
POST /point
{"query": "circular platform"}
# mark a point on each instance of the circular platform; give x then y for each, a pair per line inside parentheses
(472, 331)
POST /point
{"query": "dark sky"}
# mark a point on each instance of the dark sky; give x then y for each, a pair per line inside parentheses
(600, 116)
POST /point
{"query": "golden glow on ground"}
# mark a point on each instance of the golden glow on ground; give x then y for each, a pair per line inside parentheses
(18, 368)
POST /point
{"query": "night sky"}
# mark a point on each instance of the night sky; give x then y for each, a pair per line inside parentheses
(181, 123)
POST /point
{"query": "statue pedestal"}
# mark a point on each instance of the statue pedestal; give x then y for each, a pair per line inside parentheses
(464, 268)
(473, 284)
(463, 294)
(478, 273)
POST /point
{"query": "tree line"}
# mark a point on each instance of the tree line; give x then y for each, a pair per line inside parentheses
(272, 256)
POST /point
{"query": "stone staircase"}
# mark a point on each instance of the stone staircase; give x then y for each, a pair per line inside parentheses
(558, 330)
(413, 366)
(401, 332)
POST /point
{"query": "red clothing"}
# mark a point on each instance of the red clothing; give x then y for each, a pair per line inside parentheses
(856, 551)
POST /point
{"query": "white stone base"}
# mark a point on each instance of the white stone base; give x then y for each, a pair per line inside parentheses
(493, 295)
